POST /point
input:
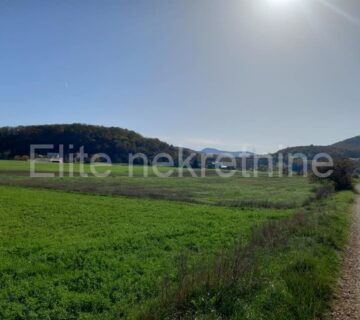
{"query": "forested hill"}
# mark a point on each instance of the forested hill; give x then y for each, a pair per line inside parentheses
(349, 144)
(115, 142)
(349, 148)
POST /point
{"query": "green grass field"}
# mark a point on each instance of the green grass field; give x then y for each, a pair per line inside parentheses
(85, 254)
(212, 189)
(101, 248)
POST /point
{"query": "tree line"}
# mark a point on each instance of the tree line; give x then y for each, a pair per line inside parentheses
(116, 142)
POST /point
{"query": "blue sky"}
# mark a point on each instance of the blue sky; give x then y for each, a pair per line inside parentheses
(235, 74)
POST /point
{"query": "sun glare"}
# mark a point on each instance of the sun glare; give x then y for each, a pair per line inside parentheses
(282, 2)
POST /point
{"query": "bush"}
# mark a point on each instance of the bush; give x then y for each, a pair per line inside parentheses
(324, 191)
(342, 175)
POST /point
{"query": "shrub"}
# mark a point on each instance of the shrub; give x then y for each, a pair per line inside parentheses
(324, 191)
(342, 174)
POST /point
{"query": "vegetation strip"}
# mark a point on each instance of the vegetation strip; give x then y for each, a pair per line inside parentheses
(287, 271)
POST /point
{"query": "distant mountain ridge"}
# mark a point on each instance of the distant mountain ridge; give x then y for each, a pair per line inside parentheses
(350, 144)
(349, 148)
(118, 143)
(213, 151)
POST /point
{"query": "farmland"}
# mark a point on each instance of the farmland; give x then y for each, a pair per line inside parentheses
(281, 191)
(90, 248)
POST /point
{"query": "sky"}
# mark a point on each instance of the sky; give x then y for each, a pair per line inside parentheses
(234, 75)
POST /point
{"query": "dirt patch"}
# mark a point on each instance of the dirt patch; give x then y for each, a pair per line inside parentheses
(347, 303)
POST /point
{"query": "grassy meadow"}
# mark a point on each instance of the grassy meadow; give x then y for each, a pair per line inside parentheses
(166, 248)
(288, 192)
